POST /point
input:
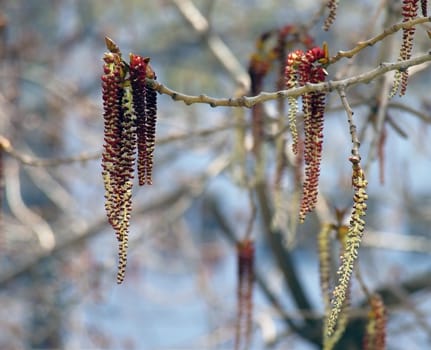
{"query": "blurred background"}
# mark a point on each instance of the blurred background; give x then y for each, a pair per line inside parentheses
(58, 254)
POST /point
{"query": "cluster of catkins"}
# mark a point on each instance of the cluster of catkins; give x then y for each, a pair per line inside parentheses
(303, 68)
(130, 108)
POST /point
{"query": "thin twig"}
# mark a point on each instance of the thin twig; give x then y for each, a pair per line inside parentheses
(352, 126)
(32, 161)
(370, 42)
(199, 133)
(383, 100)
(253, 214)
(362, 284)
(29, 160)
(316, 16)
(245, 101)
(91, 230)
(29, 218)
(403, 107)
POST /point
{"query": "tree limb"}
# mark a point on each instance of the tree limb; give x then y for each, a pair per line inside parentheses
(90, 231)
(370, 42)
(245, 101)
(217, 46)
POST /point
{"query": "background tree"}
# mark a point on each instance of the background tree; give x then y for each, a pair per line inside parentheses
(222, 176)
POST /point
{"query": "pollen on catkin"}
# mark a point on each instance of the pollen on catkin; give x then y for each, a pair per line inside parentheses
(352, 243)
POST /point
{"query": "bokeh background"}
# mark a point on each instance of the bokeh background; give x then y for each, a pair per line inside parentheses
(58, 254)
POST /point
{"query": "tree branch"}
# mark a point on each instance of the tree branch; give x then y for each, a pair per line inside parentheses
(243, 101)
(217, 46)
(283, 257)
(30, 160)
(370, 42)
(425, 117)
(94, 229)
(329, 86)
(352, 126)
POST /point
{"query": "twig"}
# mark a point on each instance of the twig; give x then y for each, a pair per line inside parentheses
(362, 284)
(419, 315)
(329, 86)
(199, 133)
(253, 214)
(317, 16)
(25, 215)
(423, 116)
(352, 126)
(383, 100)
(32, 161)
(29, 160)
(89, 231)
(370, 42)
(411, 243)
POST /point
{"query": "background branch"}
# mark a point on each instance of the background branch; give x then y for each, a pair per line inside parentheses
(217, 46)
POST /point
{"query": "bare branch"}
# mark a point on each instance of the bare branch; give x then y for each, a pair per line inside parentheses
(87, 232)
(370, 42)
(83, 157)
(29, 160)
(217, 46)
(329, 86)
(22, 212)
(352, 126)
(403, 107)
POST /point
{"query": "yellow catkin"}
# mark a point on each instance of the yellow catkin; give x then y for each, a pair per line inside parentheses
(127, 173)
(396, 85)
(293, 110)
(330, 341)
(323, 244)
(325, 265)
(350, 254)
